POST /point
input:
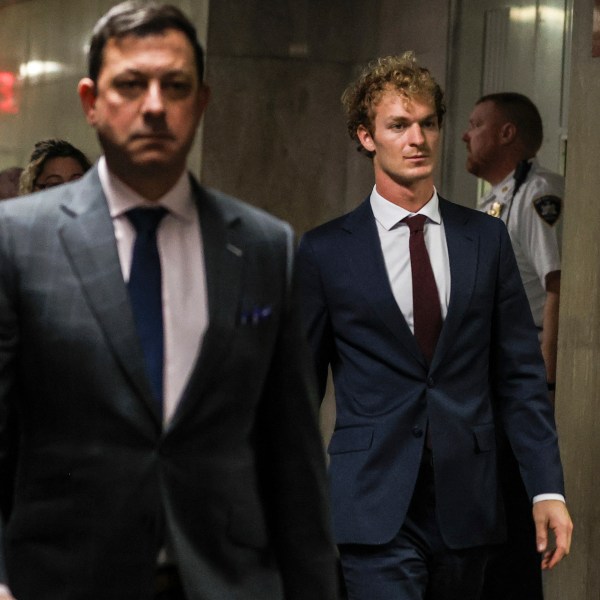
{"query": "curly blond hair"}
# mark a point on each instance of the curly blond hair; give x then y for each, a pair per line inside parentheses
(401, 73)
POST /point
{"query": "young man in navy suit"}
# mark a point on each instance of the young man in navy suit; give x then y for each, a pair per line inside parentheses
(158, 431)
(417, 306)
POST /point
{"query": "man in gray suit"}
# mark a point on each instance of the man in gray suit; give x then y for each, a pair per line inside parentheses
(158, 432)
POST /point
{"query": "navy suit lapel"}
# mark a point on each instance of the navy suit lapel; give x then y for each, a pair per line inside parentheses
(87, 235)
(369, 272)
(463, 247)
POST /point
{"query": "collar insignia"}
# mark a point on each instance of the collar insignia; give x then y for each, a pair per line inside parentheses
(496, 209)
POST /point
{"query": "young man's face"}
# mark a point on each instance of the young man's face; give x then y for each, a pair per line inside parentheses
(147, 103)
(483, 138)
(405, 138)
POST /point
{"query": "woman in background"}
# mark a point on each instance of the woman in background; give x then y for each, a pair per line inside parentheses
(52, 162)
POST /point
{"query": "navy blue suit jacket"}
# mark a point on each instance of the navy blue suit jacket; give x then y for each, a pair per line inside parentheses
(487, 374)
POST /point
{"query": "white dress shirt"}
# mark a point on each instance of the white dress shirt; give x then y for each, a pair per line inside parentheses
(394, 237)
(184, 296)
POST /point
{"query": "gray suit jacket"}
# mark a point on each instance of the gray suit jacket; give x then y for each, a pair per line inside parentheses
(91, 485)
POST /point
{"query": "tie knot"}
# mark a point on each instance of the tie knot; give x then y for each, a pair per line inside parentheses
(146, 220)
(415, 223)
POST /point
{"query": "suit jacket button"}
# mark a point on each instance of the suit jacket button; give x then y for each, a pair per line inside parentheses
(417, 431)
(430, 382)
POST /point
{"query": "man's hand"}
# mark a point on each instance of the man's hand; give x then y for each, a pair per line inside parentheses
(552, 515)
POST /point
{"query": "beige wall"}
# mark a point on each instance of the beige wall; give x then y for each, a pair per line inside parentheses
(578, 379)
(274, 133)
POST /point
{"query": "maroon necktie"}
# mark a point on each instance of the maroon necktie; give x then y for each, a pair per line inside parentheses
(427, 313)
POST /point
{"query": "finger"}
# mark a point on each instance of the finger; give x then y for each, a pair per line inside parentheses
(546, 558)
(563, 539)
(551, 558)
(541, 536)
(563, 543)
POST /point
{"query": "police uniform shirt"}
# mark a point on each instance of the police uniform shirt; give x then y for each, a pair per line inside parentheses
(534, 222)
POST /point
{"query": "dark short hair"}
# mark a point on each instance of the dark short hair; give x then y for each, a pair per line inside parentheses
(400, 73)
(43, 151)
(523, 113)
(140, 19)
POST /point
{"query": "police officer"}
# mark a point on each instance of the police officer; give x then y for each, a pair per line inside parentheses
(505, 132)
(504, 135)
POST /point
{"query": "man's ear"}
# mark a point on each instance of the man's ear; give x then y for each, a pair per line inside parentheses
(87, 96)
(508, 133)
(365, 138)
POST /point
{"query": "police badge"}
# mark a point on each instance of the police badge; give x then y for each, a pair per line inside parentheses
(548, 208)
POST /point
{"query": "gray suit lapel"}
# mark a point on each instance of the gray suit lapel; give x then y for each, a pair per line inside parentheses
(87, 235)
(223, 256)
(223, 263)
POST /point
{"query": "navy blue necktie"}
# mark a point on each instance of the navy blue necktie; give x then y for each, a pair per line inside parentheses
(145, 293)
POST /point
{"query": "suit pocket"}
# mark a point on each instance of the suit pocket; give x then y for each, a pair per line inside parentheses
(351, 439)
(484, 437)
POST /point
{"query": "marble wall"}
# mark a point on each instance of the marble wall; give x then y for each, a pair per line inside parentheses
(275, 133)
(578, 376)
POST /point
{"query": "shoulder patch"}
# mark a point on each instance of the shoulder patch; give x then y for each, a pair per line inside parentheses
(548, 208)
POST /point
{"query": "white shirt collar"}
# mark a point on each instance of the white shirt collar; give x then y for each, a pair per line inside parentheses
(502, 188)
(508, 183)
(121, 198)
(388, 214)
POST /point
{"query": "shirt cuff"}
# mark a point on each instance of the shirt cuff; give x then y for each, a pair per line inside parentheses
(541, 497)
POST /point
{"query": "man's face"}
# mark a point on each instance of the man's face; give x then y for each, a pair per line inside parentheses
(405, 138)
(484, 138)
(146, 104)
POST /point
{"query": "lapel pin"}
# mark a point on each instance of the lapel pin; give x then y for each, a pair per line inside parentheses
(235, 250)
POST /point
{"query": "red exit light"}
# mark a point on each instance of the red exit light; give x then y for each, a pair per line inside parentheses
(8, 102)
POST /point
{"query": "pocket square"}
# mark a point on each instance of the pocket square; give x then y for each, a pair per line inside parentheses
(255, 315)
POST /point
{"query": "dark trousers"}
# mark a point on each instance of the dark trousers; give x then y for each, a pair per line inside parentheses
(514, 569)
(416, 564)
